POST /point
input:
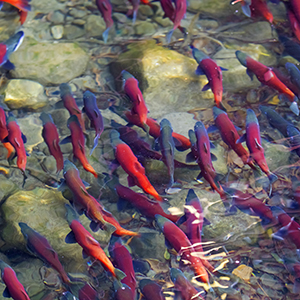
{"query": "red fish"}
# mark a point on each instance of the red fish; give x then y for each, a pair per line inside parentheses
(70, 103)
(151, 290)
(87, 292)
(94, 114)
(123, 261)
(253, 141)
(51, 138)
(201, 151)
(296, 8)
(4, 133)
(78, 140)
(213, 72)
(83, 201)
(146, 207)
(230, 135)
(187, 290)
(294, 23)
(168, 9)
(255, 9)
(179, 13)
(131, 165)
(39, 245)
(20, 4)
(181, 142)
(90, 247)
(267, 77)
(131, 89)
(105, 9)
(14, 289)
(17, 139)
(182, 245)
(194, 219)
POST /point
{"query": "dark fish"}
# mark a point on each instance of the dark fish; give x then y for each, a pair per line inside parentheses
(151, 290)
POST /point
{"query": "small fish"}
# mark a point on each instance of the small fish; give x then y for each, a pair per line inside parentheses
(94, 114)
(213, 72)
(255, 9)
(179, 13)
(8, 47)
(90, 247)
(167, 148)
(105, 9)
(143, 204)
(131, 89)
(17, 139)
(267, 77)
(70, 103)
(51, 138)
(253, 141)
(187, 290)
(131, 165)
(123, 261)
(39, 245)
(203, 157)
(4, 133)
(151, 290)
(78, 140)
(14, 289)
(182, 245)
(230, 135)
(247, 203)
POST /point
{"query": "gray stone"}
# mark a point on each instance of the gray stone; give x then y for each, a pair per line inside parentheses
(49, 63)
(121, 18)
(7, 187)
(72, 32)
(21, 93)
(47, 6)
(78, 13)
(94, 26)
(79, 22)
(57, 31)
(164, 22)
(146, 10)
(57, 17)
(144, 28)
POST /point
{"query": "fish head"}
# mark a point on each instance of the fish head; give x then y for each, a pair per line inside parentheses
(175, 274)
(126, 75)
(65, 89)
(88, 98)
(25, 229)
(14, 42)
(251, 117)
(242, 57)
(115, 138)
(68, 166)
(73, 120)
(71, 214)
(10, 118)
(198, 54)
(217, 111)
(191, 195)
(46, 118)
(164, 123)
(161, 221)
(3, 265)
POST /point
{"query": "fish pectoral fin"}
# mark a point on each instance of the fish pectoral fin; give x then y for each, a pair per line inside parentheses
(206, 87)
(8, 65)
(268, 75)
(213, 157)
(181, 220)
(205, 147)
(258, 145)
(211, 129)
(6, 293)
(199, 71)
(139, 167)
(241, 139)
(66, 140)
(250, 74)
(131, 181)
(84, 254)
(24, 138)
(139, 99)
(70, 238)
(190, 158)
(246, 10)
(17, 143)
(83, 191)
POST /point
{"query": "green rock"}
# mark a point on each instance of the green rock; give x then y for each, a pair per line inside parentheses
(164, 22)
(7, 187)
(21, 93)
(73, 32)
(146, 10)
(166, 78)
(144, 28)
(94, 26)
(49, 63)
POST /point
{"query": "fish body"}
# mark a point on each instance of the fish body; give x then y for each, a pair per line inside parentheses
(294, 23)
(70, 103)
(168, 9)
(131, 165)
(253, 141)
(204, 157)
(294, 75)
(151, 290)
(229, 134)
(20, 4)
(87, 292)
(94, 114)
(4, 133)
(167, 147)
(182, 245)
(14, 288)
(78, 140)
(123, 261)
(17, 139)
(213, 72)
(123, 292)
(39, 245)
(295, 5)
(131, 89)
(105, 9)
(267, 77)
(187, 290)
(51, 138)
(146, 207)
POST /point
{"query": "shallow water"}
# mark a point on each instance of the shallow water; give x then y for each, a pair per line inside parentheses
(63, 44)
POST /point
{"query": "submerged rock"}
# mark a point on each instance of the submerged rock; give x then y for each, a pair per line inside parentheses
(49, 63)
(21, 93)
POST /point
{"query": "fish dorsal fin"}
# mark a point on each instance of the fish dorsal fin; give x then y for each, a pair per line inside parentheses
(91, 241)
(268, 75)
(55, 145)
(139, 99)
(205, 147)
(6, 293)
(258, 145)
(17, 143)
(70, 238)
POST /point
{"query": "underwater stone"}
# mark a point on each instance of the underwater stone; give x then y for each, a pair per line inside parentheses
(7, 187)
(164, 22)
(56, 17)
(73, 32)
(144, 28)
(57, 31)
(46, 6)
(21, 93)
(94, 26)
(49, 63)
(44, 211)
(166, 78)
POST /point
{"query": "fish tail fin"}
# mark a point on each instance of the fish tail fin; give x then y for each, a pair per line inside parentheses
(90, 169)
(134, 14)
(119, 274)
(272, 177)
(105, 35)
(95, 143)
(294, 108)
(128, 232)
(169, 35)
(22, 5)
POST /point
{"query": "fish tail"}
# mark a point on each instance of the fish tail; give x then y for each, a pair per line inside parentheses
(134, 17)
(10, 150)
(123, 231)
(105, 35)
(201, 273)
(118, 274)
(169, 35)
(90, 169)
(95, 143)
(294, 108)
(20, 4)
(23, 15)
